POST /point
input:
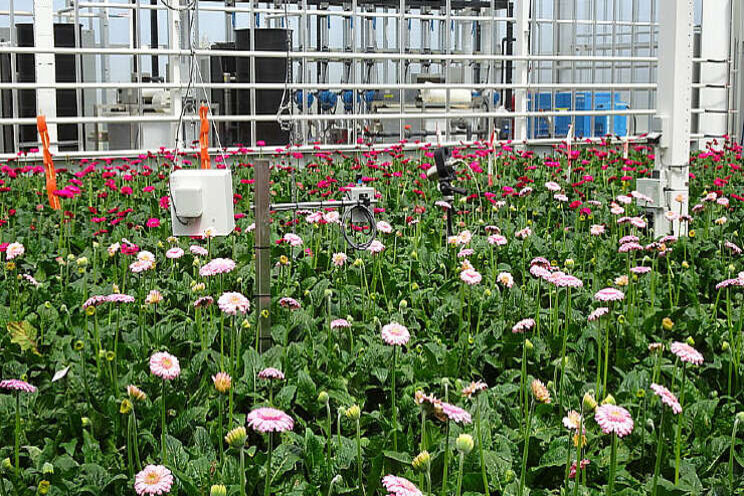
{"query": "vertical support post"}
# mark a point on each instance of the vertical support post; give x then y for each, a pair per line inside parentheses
(523, 68)
(174, 40)
(714, 45)
(46, 95)
(263, 253)
(674, 110)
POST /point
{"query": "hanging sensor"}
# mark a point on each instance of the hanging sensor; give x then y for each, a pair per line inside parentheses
(201, 199)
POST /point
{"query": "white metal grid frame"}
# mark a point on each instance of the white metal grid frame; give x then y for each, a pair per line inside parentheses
(531, 71)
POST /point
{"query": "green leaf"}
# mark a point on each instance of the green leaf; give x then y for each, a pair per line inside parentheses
(24, 335)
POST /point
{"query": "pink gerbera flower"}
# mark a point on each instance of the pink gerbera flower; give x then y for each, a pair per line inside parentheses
(217, 266)
(686, 353)
(231, 303)
(17, 385)
(471, 277)
(174, 253)
(198, 250)
(290, 303)
(340, 323)
(164, 365)
(614, 419)
(399, 486)
(271, 373)
(395, 334)
(455, 413)
(153, 479)
(597, 313)
(523, 325)
(667, 397)
(269, 420)
(609, 294)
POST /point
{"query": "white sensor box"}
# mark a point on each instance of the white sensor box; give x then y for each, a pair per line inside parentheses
(201, 199)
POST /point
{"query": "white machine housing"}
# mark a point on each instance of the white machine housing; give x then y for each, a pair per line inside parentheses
(201, 199)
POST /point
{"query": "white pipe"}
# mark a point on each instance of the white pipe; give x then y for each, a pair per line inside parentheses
(329, 117)
(326, 55)
(312, 149)
(714, 44)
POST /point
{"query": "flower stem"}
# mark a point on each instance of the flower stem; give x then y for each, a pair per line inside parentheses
(395, 413)
(17, 451)
(162, 440)
(480, 446)
(525, 452)
(267, 484)
(659, 453)
(613, 463)
(459, 474)
(731, 455)
(242, 471)
(359, 455)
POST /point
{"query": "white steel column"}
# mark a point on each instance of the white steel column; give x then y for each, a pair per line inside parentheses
(174, 65)
(522, 35)
(674, 110)
(46, 98)
(714, 46)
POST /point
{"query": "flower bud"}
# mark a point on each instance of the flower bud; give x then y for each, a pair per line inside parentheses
(125, 407)
(739, 418)
(43, 487)
(323, 398)
(414, 286)
(403, 304)
(464, 443)
(528, 345)
(47, 468)
(609, 400)
(79, 345)
(589, 402)
(218, 490)
(690, 341)
(667, 324)
(422, 461)
(725, 346)
(85, 421)
(509, 476)
(236, 438)
(6, 465)
(353, 412)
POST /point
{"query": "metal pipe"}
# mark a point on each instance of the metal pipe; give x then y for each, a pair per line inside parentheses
(330, 117)
(262, 247)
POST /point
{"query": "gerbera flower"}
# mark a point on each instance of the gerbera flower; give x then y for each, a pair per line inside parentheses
(231, 303)
(174, 253)
(339, 259)
(614, 419)
(153, 297)
(540, 392)
(400, 486)
(455, 413)
(395, 334)
(217, 266)
(609, 294)
(198, 250)
(17, 385)
(384, 227)
(505, 279)
(203, 302)
(523, 325)
(270, 373)
(686, 353)
(572, 420)
(340, 323)
(474, 388)
(667, 397)
(165, 366)
(269, 420)
(290, 303)
(583, 465)
(597, 313)
(14, 250)
(222, 382)
(497, 240)
(292, 239)
(375, 247)
(470, 277)
(153, 479)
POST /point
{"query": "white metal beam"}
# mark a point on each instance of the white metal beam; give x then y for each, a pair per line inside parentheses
(522, 35)
(674, 110)
(46, 98)
(714, 46)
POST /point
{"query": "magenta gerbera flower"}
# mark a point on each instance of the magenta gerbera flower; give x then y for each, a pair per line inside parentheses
(153, 479)
(400, 486)
(667, 397)
(614, 419)
(395, 334)
(17, 385)
(164, 365)
(271, 373)
(269, 420)
(686, 353)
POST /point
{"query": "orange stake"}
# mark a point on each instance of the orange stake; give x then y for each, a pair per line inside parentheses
(204, 137)
(49, 172)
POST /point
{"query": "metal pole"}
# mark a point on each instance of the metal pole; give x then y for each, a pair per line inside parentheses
(13, 58)
(46, 99)
(263, 253)
(674, 109)
(79, 79)
(522, 43)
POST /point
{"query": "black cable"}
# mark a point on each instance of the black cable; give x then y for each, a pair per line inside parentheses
(370, 217)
